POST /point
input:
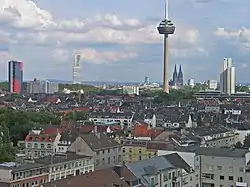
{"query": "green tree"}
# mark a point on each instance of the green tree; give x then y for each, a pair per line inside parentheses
(75, 116)
(174, 95)
(20, 122)
(76, 87)
(6, 148)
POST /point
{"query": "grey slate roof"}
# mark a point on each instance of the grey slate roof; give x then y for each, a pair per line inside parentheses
(99, 141)
(178, 162)
(60, 158)
(221, 152)
(144, 168)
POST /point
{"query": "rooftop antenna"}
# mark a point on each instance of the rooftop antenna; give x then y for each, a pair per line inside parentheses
(166, 10)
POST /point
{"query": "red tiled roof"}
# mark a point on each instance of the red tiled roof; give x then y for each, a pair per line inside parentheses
(99, 178)
(142, 130)
(39, 138)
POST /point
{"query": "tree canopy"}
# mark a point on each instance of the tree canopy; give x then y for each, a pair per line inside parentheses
(75, 116)
(21, 122)
(174, 95)
(76, 87)
(6, 148)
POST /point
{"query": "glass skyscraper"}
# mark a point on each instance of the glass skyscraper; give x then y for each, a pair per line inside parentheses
(15, 77)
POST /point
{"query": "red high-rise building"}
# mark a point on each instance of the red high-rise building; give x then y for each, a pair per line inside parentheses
(15, 77)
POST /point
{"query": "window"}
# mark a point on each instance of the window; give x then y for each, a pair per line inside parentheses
(29, 145)
(123, 150)
(49, 146)
(108, 160)
(97, 163)
(210, 168)
(42, 146)
(152, 181)
(241, 169)
(221, 177)
(108, 150)
(139, 157)
(219, 168)
(130, 150)
(231, 178)
(231, 169)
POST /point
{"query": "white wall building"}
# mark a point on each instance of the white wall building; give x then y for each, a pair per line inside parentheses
(227, 77)
(212, 84)
(40, 86)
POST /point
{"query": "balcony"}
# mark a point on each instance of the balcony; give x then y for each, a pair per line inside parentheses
(241, 184)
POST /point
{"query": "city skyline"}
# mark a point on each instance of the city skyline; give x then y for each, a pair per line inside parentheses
(110, 40)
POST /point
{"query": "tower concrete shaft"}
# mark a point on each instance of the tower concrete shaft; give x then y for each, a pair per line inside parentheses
(166, 65)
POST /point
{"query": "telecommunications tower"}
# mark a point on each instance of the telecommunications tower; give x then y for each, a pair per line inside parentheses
(77, 70)
(166, 27)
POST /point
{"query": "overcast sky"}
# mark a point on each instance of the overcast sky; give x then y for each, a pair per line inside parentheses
(118, 39)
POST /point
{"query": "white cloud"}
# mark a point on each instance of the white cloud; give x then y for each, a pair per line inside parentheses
(242, 36)
(4, 56)
(94, 56)
(24, 23)
(227, 33)
(61, 54)
(100, 28)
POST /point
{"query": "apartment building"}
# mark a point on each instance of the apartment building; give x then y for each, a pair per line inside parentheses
(118, 176)
(44, 170)
(40, 143)
(221, 167)
(135, 149)
(120, 117)
(214, 167)
(24, 175)
(104, 150)
(67, 165)
(161, 171)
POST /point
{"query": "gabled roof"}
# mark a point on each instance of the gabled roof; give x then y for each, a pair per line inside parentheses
(178, 162)
(99, 141)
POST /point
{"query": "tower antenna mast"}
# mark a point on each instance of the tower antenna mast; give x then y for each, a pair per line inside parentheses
(166, 10)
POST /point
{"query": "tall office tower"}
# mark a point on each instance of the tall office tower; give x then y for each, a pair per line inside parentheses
(227, 77)
(180, 77)
(15, 77)
(166, 27)
(175, 76)
(77, 70)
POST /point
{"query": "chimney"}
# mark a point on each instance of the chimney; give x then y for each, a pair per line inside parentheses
(119, 170)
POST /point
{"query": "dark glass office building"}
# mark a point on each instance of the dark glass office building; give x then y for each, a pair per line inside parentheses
(15, 77)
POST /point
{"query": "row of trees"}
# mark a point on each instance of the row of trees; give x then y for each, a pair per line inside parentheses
(76, 87)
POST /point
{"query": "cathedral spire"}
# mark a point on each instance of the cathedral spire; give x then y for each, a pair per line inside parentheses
(180, 76)
(175, 76)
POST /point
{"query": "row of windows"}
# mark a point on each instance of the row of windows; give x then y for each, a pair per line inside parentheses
(71, 165)
(103, 161)
(36, 145)
(220, 168)
(107, 150)
(31, 184)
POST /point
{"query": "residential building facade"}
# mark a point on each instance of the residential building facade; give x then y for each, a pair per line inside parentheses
(104, 150)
